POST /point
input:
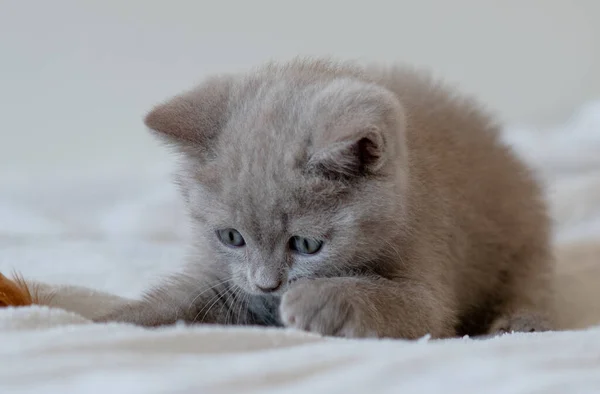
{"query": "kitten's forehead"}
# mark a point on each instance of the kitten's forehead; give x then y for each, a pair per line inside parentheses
(270, 113)
(266, 202)
(265, 206)
(267, 137)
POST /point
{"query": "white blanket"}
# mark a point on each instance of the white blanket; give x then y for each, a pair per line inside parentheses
(118, 233)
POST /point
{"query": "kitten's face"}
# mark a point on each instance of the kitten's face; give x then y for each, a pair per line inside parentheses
(267, 232)
(290, 173)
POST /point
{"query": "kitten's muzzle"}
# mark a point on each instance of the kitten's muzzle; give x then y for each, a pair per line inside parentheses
(266, 279)
(271, 288)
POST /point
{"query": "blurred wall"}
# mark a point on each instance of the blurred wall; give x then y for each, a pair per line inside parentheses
(77, 76)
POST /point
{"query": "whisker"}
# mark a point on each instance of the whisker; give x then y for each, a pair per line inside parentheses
(208, 304)
(243, 305)
(204, 290)
(229, 300)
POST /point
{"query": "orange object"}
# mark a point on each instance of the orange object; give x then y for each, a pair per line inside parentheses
(16, 292)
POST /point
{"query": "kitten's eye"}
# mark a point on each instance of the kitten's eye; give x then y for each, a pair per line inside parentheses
(231, 237)
(305, 245)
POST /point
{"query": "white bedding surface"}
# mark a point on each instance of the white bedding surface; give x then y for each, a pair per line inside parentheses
(118, 233)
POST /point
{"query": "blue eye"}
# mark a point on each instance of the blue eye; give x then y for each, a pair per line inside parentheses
(305, 245)
(231, 237)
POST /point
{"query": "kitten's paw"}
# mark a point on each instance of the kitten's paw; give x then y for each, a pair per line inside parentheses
(321, 306)
(521, 322)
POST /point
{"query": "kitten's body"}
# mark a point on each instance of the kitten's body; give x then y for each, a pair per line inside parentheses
(429, 224)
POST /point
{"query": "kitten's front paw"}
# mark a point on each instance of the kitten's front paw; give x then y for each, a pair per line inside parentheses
(321, 306)
(520, 322)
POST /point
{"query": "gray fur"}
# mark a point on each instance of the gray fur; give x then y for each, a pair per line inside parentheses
(383, 165)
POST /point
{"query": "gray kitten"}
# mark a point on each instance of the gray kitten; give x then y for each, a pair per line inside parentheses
(350, 201)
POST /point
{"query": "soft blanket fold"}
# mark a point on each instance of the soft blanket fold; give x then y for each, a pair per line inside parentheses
(50, 350)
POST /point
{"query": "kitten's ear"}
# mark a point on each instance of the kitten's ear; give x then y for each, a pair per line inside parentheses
(194, 117)
(368, 130)
(362, 153)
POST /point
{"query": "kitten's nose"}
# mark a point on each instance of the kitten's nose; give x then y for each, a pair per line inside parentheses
(269, 288)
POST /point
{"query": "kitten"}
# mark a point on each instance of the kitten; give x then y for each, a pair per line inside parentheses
(350, 201)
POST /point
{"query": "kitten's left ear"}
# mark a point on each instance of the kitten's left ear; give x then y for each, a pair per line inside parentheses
(194, 118)
(366, 129)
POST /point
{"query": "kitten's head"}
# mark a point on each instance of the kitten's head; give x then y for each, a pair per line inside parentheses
(290, 171)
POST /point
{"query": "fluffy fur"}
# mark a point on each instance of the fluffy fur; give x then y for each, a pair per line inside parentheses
(429, 224)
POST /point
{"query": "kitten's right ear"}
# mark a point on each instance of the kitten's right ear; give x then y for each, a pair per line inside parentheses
(194, 117)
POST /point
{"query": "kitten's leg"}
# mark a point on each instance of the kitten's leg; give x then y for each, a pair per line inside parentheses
(525, 316)
(521, 321)
(366, 307)
(529, 304)
(185, 299)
